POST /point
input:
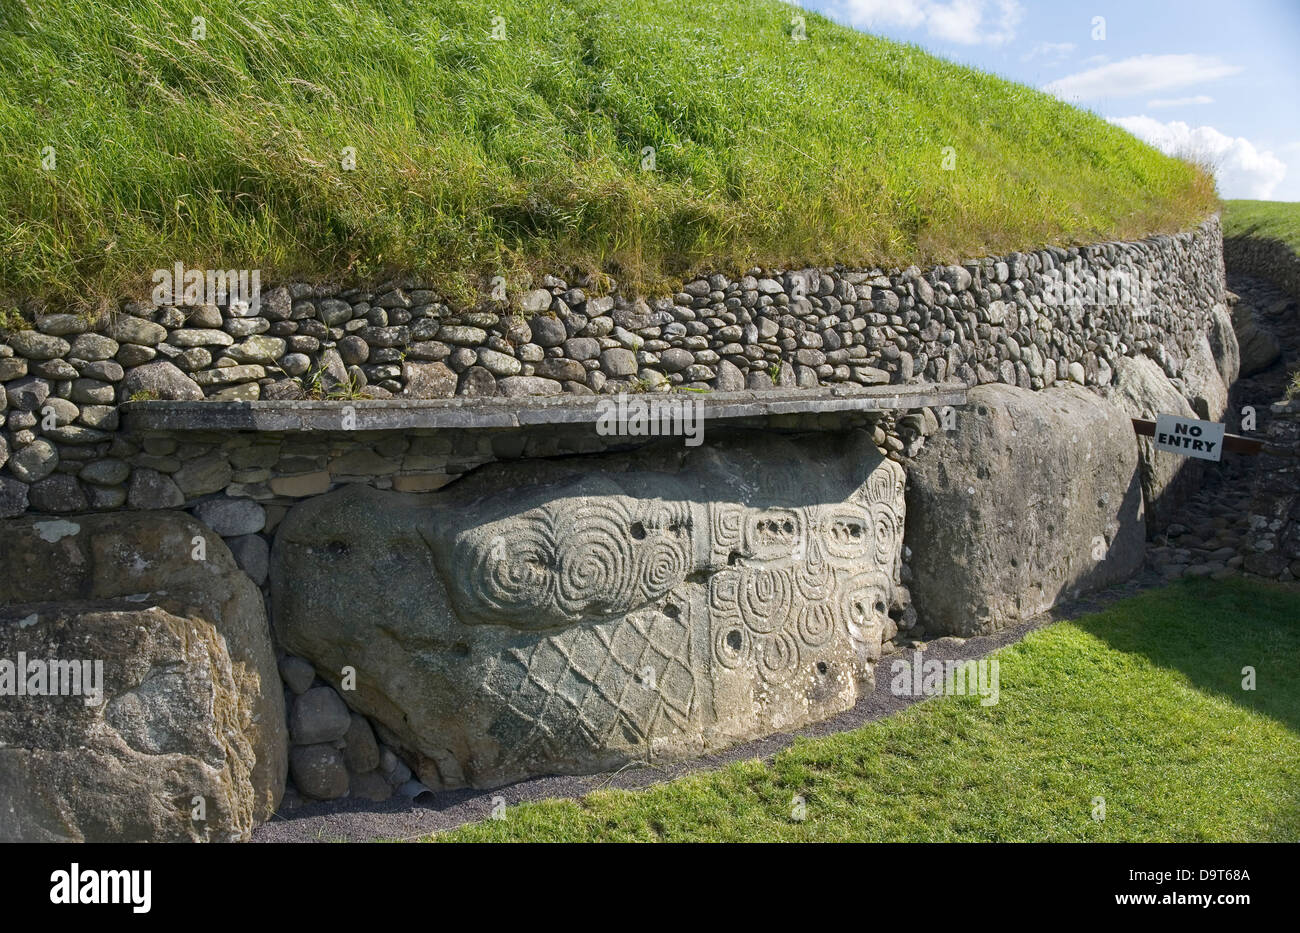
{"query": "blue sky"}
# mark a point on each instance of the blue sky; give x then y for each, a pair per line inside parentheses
(1221, 79)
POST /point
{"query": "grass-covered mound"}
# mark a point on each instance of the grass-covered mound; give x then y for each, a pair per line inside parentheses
(1267, 220)
(1142, 705)
(476, 156)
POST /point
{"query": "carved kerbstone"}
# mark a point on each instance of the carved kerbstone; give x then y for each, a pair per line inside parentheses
(574, 615)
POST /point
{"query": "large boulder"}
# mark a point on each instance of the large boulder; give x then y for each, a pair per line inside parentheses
(1031, 497)
(574, 615)
(1259, 348)
(192, 701)
(1142, 390)
(1206, 390)
(1223, 344)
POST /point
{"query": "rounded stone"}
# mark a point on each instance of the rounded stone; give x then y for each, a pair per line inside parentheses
(35, 461)
(295, 364)
(361, 751)
(28, 393)
(547, 331)
(130, 354)
(498, 364)
(252, 554)
(160, 380)
(319, 715)
(353, 349)
(297, 673)
(150, 489)
(618, 362)
(128, 329)
(105, 472)
(64, 412)
(37, 346)
(536, 300)
(106, 497)
(57, 493)
(231, 517)
(13, 497)
(319, 771)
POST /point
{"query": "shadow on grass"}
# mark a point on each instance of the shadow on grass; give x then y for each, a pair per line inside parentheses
(1209, 630)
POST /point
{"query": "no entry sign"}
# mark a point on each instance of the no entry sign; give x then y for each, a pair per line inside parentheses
(1187, 436)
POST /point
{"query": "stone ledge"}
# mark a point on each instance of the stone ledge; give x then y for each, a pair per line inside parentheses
(468, 413)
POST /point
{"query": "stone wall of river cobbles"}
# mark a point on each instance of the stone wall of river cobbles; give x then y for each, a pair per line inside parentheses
(1030, 319)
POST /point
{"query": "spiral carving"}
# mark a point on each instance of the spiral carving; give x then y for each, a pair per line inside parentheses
(514, 575)
(665, 562)
(595, 567)
(766, 599)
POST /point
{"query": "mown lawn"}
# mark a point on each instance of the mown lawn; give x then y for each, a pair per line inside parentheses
(137, 136)
(1277, 220)
(1141, 704)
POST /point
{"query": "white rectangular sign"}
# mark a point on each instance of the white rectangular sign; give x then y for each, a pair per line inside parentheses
(1187, 436)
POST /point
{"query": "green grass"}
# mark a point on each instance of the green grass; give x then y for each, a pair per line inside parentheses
(1275, 220)
(478, 157)
(1140, 704)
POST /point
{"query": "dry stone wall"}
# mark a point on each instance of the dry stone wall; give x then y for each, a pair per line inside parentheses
(1030, 320)
(1264, 258)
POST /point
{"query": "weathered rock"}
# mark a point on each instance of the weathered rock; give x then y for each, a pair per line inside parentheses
(319, 715)
(1031, 497)
(150, 489)
(547, 331)
(429, 380)
(369, 786)
(1207, 393)
(13, 497)
(57, 493)
(618, 362)
(253, 554)
(1142, 390)
(193, 704)
(160, 380)
(729, 378)
(361, 751)
(229, 517)
(603, 609)
(91, 347)
(257, 349)
(125, 328)
(1258, 347)
(35, 461)
(517, 386)
(318, 771)
(27, 393)
(202, 476)
(37, 346)
(297, 673)
(1223, 345)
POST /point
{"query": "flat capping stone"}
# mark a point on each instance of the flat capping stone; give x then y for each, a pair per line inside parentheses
(462, 413)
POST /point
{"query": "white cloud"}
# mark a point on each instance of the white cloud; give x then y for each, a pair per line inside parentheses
(966, 22)
(1142, 74)
(1052, 51)
(1242, 170)
(1166, 102)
